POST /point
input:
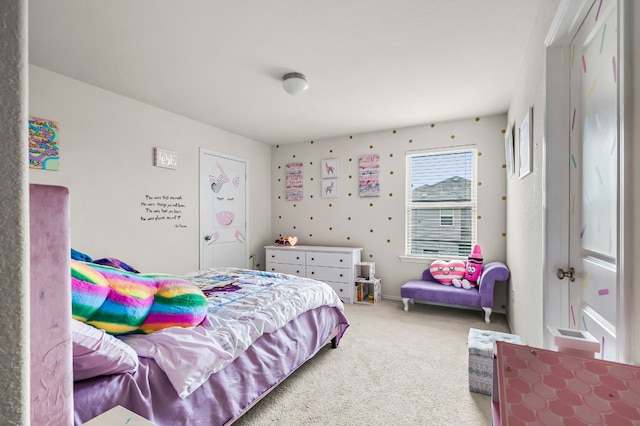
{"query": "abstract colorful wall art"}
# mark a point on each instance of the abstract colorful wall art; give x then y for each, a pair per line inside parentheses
(368, 175)
(293, 182)
(44, 152)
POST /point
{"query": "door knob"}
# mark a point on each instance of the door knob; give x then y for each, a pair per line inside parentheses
(207, 237)
(562, 274)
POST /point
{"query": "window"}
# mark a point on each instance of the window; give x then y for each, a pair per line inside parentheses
(441, 203)
(446, 217)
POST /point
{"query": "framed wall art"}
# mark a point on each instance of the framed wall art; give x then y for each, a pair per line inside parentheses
(509, 151)
(368, 175)
(329, 188)
(293, 182)
(525, 145)
(330, 168)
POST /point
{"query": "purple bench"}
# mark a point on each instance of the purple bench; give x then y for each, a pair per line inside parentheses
(429, 290)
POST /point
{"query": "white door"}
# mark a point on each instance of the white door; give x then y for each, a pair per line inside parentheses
(223, 210)
(593, 178)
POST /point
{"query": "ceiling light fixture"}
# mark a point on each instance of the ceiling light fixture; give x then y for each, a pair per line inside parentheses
(295, 83)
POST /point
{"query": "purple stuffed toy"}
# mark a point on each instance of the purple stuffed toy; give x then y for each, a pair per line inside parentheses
(473, 270)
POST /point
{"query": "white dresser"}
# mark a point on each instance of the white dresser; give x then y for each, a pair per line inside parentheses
(335, 266)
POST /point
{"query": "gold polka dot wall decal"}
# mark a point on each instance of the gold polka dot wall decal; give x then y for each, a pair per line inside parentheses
(311, 142)
(279, 179)
(277, 146)
(330, 151)
(311, 179)
(503, 131)
(504, 234)
(350, 177)
(311, 196)
(371, 256)
(477, 118)
(504, 197)
(410, 140)
(453, 136)
(388, 241)
(479, 183)
(279, 197)
(294, 156)
(349, 218)
(394, 132)
(504, 166)
(370, 146)
(310, 235)
(330, 228)
(280, 217)
(349, 194)
(348, 238)
(390, 194)
(391, 155)
(294, 227)
(391, 172)
(479, 217)
(350, 137)
(330, 205)
(370, 204)
(279, 167)
(389, 218)
(371, 231)
(294, 205)
(433, 125)
(350, 159)
(479, 154)
(311, 218)
(311, 163)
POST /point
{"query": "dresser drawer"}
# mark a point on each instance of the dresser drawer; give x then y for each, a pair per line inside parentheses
(293, 257)
(336, 260)
(286, 268)
(322, 273)
(343, 290)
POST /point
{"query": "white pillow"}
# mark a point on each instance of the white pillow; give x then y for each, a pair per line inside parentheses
(97, 353)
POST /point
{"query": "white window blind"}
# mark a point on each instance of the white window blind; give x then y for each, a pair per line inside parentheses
(441, 203)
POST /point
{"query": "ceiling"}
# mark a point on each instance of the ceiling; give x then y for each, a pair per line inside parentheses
(371, 65)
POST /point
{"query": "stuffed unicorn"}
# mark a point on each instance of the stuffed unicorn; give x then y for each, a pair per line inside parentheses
(473, 270)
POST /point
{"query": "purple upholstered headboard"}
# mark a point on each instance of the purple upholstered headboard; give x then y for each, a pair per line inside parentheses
(51, 364)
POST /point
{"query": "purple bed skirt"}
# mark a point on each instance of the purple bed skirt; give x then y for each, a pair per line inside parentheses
(228, 393)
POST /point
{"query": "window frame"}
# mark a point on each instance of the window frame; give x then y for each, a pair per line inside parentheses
(410, 206)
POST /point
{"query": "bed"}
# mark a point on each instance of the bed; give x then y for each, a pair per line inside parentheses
(258, 328)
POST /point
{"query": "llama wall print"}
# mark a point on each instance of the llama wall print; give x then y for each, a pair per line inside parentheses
(330, 168)
(329, 188)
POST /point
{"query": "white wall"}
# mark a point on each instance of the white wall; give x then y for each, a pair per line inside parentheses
(106, 160)
(378, 224)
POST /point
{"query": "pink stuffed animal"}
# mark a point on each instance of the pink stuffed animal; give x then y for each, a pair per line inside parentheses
(473, 270)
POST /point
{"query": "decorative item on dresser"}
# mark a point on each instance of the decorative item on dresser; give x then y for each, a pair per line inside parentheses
(335, 266)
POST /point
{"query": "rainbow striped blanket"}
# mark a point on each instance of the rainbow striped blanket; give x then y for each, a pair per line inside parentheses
(121, 302)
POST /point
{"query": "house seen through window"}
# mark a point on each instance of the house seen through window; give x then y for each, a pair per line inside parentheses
(441, 203)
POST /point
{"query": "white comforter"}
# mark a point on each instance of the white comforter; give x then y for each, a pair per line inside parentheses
(243, 305)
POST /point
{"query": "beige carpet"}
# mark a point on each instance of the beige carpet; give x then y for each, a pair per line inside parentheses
(391, 368)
